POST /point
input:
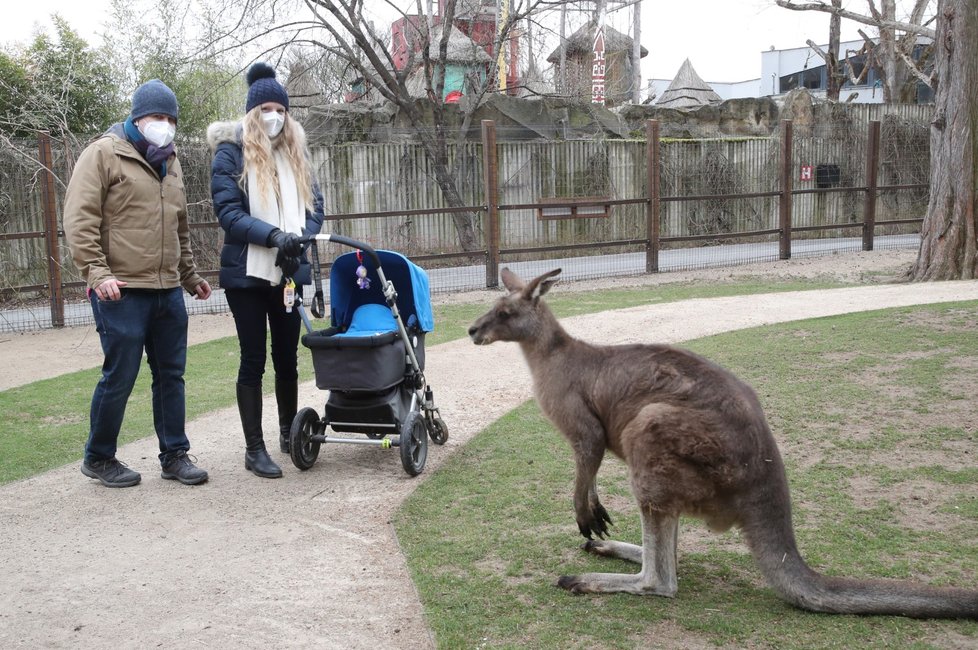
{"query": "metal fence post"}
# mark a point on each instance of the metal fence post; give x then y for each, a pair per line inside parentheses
(872, 172)
(654, 206)
(784, 215)
(490, 161)
(49, 203)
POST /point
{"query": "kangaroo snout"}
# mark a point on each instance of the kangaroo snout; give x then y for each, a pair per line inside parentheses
(477, 338)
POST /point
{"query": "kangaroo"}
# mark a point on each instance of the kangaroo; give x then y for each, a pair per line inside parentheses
(696, 443)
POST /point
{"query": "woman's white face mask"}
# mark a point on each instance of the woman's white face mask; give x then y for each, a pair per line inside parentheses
(273, 121)
(158, 132)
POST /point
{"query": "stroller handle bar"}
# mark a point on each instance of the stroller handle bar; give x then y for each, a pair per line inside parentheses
(346, 241)
(389, 293)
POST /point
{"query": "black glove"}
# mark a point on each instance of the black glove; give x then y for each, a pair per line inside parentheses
(288, 263)
(285, 242)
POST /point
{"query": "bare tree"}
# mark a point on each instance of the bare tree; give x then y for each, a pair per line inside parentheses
(894, 54)
(948, 237)
(344, 31)
(833, 70)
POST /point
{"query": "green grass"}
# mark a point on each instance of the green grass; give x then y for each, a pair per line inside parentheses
(45, 423)
(851, 398)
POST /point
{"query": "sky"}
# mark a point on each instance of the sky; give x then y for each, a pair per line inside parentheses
(723, 39)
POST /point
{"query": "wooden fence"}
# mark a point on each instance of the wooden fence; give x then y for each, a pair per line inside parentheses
(539, 200)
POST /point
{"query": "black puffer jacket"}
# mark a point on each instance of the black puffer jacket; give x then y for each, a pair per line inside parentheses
(233, 213)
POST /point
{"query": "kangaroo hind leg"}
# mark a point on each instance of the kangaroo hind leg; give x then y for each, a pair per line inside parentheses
(657, 556)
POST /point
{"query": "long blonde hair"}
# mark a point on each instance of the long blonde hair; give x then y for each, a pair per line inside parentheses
(257, 148)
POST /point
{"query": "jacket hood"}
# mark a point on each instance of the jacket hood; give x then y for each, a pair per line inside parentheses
(220, 132)
(117, 130)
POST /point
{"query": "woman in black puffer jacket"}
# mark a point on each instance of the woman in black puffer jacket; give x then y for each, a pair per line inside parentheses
(265, 198)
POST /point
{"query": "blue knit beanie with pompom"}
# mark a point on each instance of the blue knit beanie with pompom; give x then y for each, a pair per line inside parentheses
(262, 87)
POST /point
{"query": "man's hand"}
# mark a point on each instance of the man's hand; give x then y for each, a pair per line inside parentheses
(110, 289)
(202, 291)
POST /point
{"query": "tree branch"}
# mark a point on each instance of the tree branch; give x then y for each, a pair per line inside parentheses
(908, 27)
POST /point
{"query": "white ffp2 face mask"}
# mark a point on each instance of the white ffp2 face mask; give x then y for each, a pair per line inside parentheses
(158, 132)
(273, 122)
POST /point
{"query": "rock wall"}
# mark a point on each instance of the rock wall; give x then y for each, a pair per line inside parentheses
(549, 118)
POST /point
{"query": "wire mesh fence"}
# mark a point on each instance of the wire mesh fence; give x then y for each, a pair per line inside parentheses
(583, 204)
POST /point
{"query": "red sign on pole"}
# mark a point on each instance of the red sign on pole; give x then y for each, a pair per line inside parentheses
(806, 173)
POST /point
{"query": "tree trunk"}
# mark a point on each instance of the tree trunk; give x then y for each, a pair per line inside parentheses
(436, 146)
(889, 63)
(832, 67)
(947, 239)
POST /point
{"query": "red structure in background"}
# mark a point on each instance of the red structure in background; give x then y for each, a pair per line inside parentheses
(474, 18)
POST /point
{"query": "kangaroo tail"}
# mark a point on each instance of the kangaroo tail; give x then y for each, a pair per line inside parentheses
(775, 551)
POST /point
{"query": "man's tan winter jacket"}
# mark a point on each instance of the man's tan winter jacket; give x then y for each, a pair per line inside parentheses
(122, 222)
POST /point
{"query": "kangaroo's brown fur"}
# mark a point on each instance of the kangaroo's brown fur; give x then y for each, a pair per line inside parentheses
(696, 443)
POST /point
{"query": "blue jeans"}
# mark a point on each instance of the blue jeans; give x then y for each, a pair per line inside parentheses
(154, 320)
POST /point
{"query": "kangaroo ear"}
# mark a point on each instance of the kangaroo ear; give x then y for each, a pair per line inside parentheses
(546, 285)
(511, 281)
(541, 285)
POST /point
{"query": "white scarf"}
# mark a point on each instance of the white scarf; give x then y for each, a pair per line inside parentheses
(288, 216)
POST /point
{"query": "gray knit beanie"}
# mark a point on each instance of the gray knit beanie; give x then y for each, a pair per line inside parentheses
(154, 97)
(262, 87)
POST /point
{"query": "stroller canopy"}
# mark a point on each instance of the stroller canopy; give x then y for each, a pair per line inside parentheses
(409, 280)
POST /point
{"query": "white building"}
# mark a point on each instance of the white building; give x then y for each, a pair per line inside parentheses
(800, 67)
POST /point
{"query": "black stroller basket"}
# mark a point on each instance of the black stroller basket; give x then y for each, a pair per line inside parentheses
(371, 357)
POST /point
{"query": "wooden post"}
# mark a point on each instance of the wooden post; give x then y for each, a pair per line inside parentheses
(49, 204)
(654, 206)
(490, 164)
(872, 172)
(784, 213)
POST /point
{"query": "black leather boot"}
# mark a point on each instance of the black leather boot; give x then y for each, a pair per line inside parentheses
(287, 398)
(257, 459)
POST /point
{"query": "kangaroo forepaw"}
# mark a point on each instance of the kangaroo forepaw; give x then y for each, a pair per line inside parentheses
(596, 524)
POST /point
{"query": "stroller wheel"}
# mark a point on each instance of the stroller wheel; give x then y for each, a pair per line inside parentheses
(373, 435)
(438, 430)
(414, 444)
(302, 448)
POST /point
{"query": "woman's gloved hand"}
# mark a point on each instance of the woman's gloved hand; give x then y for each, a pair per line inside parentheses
(288, 263)
(286, 243)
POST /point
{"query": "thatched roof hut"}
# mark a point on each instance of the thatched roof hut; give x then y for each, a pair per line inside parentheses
(688, 90)
(579, 49)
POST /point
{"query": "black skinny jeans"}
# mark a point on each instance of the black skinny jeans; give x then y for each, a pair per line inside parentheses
(256, 312)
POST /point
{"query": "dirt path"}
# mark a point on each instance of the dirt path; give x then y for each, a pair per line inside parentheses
(309, 560)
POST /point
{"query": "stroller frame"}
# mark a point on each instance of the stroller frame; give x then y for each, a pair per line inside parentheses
(402, 415)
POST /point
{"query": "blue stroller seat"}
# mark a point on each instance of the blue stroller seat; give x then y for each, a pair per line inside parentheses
(370, 320)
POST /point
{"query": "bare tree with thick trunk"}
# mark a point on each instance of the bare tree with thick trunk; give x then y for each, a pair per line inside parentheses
(948, 236)
(342, 29)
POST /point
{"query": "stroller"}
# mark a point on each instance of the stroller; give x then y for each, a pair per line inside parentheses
(371, 359)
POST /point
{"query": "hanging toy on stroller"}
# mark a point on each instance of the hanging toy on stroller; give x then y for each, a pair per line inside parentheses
(371, 358)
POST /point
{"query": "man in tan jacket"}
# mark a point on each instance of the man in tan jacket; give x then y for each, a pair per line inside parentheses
(125, 220)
